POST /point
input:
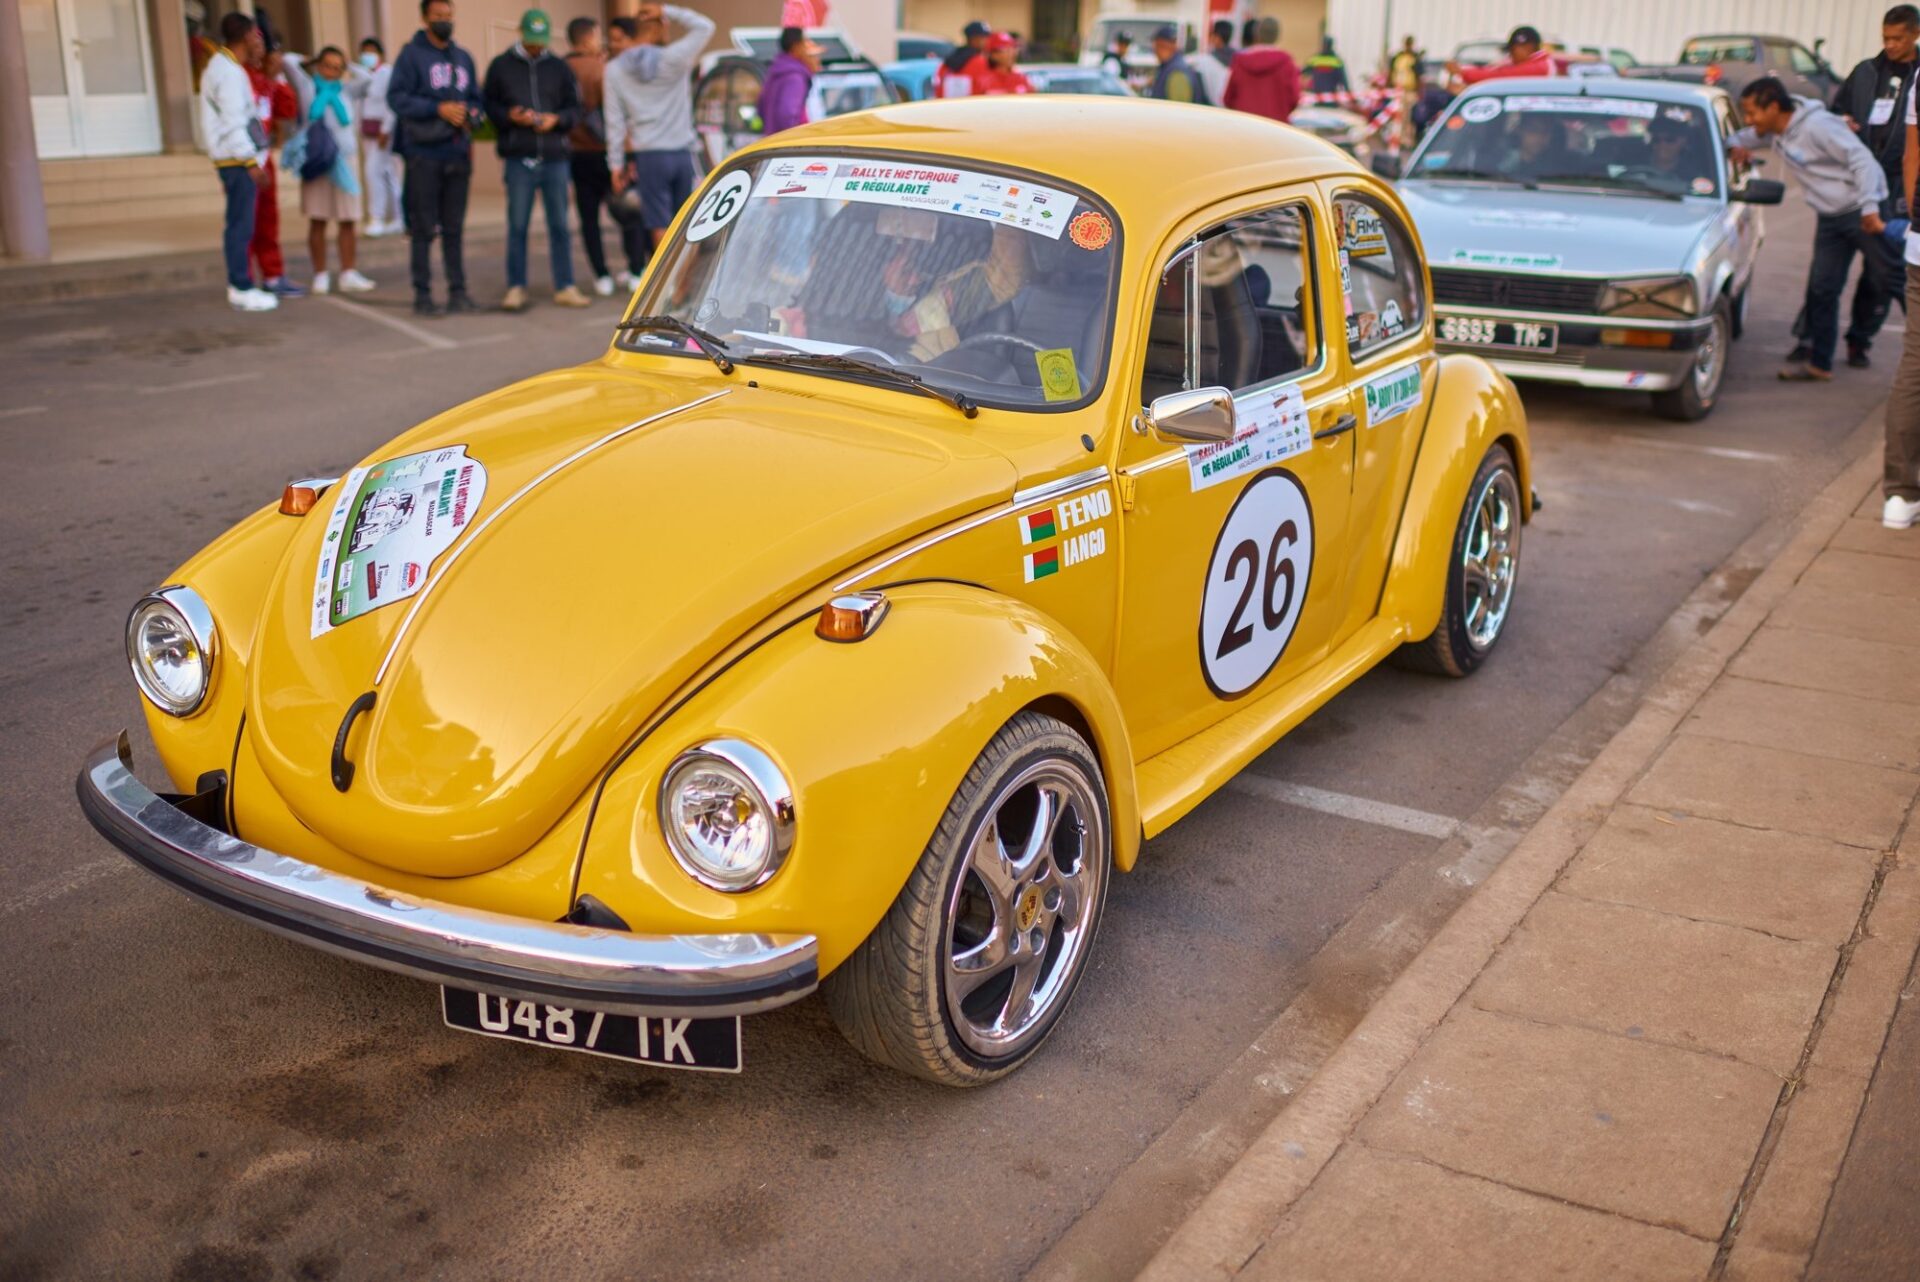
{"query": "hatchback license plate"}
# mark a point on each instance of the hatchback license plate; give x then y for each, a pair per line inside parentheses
(1484, 331)
(704, 1045)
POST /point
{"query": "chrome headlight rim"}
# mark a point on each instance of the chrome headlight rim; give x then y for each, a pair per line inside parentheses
(1638, 296)
(192, 613)
(772, 794)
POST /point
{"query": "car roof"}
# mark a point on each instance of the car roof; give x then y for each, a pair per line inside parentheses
(1599, 87)
(1093, 142)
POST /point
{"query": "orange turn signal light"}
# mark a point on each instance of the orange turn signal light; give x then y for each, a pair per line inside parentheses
(298, 500)
(1636, 337)
(852, 617)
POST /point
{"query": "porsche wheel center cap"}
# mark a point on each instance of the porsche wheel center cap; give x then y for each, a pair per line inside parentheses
(1027, 908)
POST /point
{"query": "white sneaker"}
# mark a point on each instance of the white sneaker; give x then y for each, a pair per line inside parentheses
(1899, 513)
(627, 280)
(352, 282)
(322, 283)
(251, 300)
(603, 286)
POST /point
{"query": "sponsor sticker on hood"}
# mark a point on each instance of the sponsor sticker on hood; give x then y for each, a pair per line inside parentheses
(388, 524)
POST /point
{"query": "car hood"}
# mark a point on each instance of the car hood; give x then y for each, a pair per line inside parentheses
(1569, 231)
(602, 537)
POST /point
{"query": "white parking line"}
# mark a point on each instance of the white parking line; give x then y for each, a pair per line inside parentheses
(1698, 507)
(1715, 451)
(195, 384)
(23, 409)
(425, 337)
(76, 878)
(1419, 822)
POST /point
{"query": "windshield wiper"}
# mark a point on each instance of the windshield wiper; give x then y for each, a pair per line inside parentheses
(1608, 181)
(854, 365)
(709, 345)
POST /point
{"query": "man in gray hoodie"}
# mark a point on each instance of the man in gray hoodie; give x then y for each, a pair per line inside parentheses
(1846, 188)
(648, 105)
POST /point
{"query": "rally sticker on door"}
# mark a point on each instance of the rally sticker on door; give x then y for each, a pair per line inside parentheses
(1393, 394)
(1272, 425)
(1256, 583)
(389, 523)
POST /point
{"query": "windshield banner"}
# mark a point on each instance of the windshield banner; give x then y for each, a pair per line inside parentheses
(916, 185)
(1582, 106)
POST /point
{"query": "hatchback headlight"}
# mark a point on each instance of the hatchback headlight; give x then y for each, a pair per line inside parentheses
(1660, 298)
(170, 646)
(727, 813)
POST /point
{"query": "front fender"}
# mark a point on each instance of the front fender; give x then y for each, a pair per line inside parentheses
(1474, 407)
(875, 737)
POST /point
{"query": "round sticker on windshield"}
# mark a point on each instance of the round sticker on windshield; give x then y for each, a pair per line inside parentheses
(1703, 186)
(720, 206)
(1480, 110)
(1091, 229)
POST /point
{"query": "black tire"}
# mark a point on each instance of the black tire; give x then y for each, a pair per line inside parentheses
(1737, 319)
(1454, 649)
(1697, 394)
(890, 998)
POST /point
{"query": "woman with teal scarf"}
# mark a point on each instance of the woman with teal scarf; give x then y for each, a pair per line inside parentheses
(332, 93)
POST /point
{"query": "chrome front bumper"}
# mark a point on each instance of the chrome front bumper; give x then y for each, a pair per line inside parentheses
(553, 962)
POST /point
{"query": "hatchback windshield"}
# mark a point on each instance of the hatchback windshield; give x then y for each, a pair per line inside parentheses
(987, 285)
(1627, 145)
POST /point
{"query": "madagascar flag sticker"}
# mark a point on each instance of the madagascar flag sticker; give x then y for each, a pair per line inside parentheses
(1038, 565)
(1035, 527)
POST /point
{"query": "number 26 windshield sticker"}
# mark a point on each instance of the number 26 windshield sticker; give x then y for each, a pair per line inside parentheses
(1256, 583)
(720, 206)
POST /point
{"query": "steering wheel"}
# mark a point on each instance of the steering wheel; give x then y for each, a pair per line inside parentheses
(1028, 377)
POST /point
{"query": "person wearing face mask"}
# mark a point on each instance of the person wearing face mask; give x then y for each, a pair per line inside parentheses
(435, 97)
(330, 96)
(376, 144)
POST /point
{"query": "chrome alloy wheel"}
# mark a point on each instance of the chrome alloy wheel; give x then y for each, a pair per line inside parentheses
(1710, 360)
(1490, 559)
(1021, 912)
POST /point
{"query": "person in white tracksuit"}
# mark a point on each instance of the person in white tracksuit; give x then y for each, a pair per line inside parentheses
(383, 168)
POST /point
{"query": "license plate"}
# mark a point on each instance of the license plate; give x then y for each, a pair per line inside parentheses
(1484, 331)
(704, 1045)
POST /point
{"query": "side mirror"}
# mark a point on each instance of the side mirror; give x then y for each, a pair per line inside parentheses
(1759, 191)
(1202, 414)
(1386, 164)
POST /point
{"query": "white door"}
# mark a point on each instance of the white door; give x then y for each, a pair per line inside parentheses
(90, 78)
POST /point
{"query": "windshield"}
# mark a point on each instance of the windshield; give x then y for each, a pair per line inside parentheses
(984, 284)
(1699, 53)
(1626, 145)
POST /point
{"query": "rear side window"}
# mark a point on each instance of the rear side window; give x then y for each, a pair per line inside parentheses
(1380, 279)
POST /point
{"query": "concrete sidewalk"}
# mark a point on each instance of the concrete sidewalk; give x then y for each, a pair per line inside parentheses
(1640, 1049)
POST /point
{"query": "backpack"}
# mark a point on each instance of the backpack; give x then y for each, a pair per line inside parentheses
(312, 152)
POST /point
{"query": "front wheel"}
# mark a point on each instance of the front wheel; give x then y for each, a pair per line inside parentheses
(978, 957)
(1481, 574)
(1694, 398)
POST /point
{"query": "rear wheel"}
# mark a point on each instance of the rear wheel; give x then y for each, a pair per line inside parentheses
(1481, 574)
(974, 964)
(1695, 396)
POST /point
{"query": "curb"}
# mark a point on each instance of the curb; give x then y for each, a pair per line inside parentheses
(1236, 1218)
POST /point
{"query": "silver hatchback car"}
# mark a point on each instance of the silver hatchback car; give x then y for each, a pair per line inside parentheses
(1590, 231)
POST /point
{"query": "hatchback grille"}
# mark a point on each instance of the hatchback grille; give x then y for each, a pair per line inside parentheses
(1520, 293)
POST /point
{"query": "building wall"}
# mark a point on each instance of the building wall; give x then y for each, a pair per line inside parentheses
(1653, 30)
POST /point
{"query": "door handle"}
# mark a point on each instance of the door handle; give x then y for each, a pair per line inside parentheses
(1345, 423)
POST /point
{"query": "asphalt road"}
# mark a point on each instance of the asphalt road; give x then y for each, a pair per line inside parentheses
(182, 1095)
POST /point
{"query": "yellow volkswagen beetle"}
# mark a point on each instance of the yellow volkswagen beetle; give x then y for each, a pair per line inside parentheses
(971, 489)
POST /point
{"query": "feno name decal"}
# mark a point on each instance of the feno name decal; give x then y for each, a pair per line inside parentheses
(1256, 583)
(1393, 394)
(389, 523)
(1047, 532)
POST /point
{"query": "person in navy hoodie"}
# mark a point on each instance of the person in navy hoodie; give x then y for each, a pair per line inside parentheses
(435, 97)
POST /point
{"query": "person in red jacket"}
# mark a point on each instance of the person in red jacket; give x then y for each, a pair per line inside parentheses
(1263, 78)
(273, 98)
(1527, 55)
(1000, 75)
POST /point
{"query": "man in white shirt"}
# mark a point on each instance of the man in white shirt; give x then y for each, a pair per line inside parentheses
(1901, 478)
(236, 144)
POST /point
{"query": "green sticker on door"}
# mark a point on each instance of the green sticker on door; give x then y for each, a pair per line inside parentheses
(1393, 394)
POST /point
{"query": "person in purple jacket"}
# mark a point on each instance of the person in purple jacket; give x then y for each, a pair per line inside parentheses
(783, 99)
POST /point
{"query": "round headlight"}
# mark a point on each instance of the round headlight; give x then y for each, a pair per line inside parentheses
(727, 813)
(170, 640)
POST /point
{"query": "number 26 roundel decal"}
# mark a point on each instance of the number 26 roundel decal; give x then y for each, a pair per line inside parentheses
(1256, 583)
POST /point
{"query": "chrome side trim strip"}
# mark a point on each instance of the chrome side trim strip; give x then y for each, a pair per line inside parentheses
(480, 527)
(1021, 498)
(544, 961)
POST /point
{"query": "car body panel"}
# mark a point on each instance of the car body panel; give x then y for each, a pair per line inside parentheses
(657, 539)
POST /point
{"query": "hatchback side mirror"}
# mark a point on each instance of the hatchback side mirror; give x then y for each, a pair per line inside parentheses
(1201, 414)
(1759, 191)
(1386, 164)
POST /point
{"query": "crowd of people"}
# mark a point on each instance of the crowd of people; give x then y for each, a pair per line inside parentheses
(611, 122)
